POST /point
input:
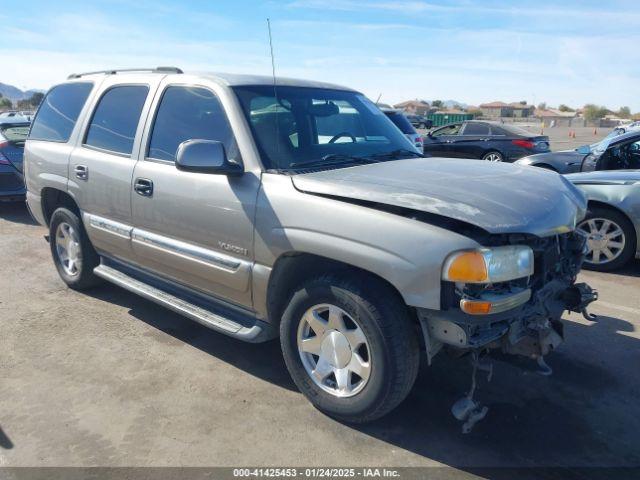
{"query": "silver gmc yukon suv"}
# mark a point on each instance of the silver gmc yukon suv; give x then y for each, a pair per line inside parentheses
(296, 209)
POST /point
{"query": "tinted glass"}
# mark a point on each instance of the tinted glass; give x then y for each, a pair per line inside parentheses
(400, 121)
(307, 125)
(15, 135)
(59, 112)
(115, 119)
(511, 130)
(476, 129)
(447, 130)
(189, 113)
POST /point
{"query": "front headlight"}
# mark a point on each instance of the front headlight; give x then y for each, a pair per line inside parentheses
(489, 265)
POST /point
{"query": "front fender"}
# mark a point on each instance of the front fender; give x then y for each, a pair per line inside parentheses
(405, 252)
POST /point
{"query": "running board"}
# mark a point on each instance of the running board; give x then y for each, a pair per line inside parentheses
(257, 332)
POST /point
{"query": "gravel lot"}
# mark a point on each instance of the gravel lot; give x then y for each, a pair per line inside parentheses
(106, 378)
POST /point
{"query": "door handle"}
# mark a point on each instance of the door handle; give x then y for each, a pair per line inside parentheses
(81, 171)
(143, 186)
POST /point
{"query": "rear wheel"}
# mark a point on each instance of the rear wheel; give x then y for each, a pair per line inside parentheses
(493, 156)
(350, 347)
(73, 254)
(611, 239)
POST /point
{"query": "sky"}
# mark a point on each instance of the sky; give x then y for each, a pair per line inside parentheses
(569, 51)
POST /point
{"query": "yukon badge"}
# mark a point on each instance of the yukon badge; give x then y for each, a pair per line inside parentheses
(233, 248)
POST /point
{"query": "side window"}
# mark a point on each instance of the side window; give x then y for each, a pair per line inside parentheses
(476, 129)
(189, 113)
(59, 112)
(447, 130)
(115, 119)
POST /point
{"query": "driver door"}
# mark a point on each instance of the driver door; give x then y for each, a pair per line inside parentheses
(438, 143)
(193, 228)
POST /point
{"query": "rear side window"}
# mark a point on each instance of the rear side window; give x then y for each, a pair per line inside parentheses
(115, 119)
(15, 134)
(400, 121)
(189, 113)
(476, 129)
(59, 112)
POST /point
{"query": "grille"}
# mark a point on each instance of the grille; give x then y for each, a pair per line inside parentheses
(10, 182)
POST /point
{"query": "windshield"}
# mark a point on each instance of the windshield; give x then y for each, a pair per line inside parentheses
(318, 126)
(602, 145)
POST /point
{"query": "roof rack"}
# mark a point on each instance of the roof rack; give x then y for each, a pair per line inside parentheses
(113, 72)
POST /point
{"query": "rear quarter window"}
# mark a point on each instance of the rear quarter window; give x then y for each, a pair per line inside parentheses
(59, 110)
(15, 135)
(400, 121)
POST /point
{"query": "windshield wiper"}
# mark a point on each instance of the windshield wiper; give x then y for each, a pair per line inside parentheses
(332, 159)
(398, 154)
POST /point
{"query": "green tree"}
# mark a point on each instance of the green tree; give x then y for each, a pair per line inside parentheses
(437, 104)
(594, 112)
(476, 112)
(36, 99)
(565, 108)
(542, 106)
(624, 112)
(5, 103)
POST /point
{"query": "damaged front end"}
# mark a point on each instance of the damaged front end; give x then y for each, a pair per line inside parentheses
(515, 304)
(520, 315)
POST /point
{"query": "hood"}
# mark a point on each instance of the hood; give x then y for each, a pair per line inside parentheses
(605, 177)
(563, 156)
(497, 197)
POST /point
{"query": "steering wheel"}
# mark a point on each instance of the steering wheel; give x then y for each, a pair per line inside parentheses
(343, 134)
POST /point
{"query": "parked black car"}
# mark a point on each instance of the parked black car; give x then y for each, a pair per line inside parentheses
(13, 134)
(419, 121)
(614, 152)
(491, 141)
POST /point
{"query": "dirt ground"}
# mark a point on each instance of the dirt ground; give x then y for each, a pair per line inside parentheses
(106, 378)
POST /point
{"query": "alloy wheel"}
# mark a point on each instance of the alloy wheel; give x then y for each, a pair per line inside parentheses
(334, 350)
(68, 249)
(493, 157)
(605, 240)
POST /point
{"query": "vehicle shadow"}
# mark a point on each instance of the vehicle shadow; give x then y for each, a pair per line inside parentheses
(262, 360)
(5, 441)
(585, 414)
(631, 269)
(16, 212)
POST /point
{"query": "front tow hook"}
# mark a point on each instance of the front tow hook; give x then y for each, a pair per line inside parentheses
(578, 297)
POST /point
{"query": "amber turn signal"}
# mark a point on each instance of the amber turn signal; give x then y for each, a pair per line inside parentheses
(467, 267)
(475, 307)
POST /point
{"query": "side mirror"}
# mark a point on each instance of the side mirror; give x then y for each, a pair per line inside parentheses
(205, 156)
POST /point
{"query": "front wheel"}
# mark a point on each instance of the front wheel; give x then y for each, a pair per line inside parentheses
(493, 157)
(350, 347)
(611, 239)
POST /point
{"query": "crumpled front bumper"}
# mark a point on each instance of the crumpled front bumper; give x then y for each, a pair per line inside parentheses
(533, 329)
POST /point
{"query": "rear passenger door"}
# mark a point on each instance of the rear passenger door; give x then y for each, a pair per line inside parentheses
(193, 228)
(101, 166)
(472, 141)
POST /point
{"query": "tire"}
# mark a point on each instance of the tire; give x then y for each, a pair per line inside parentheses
(67, 234)
(621, 245)
(493, 156)
(390, 347)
